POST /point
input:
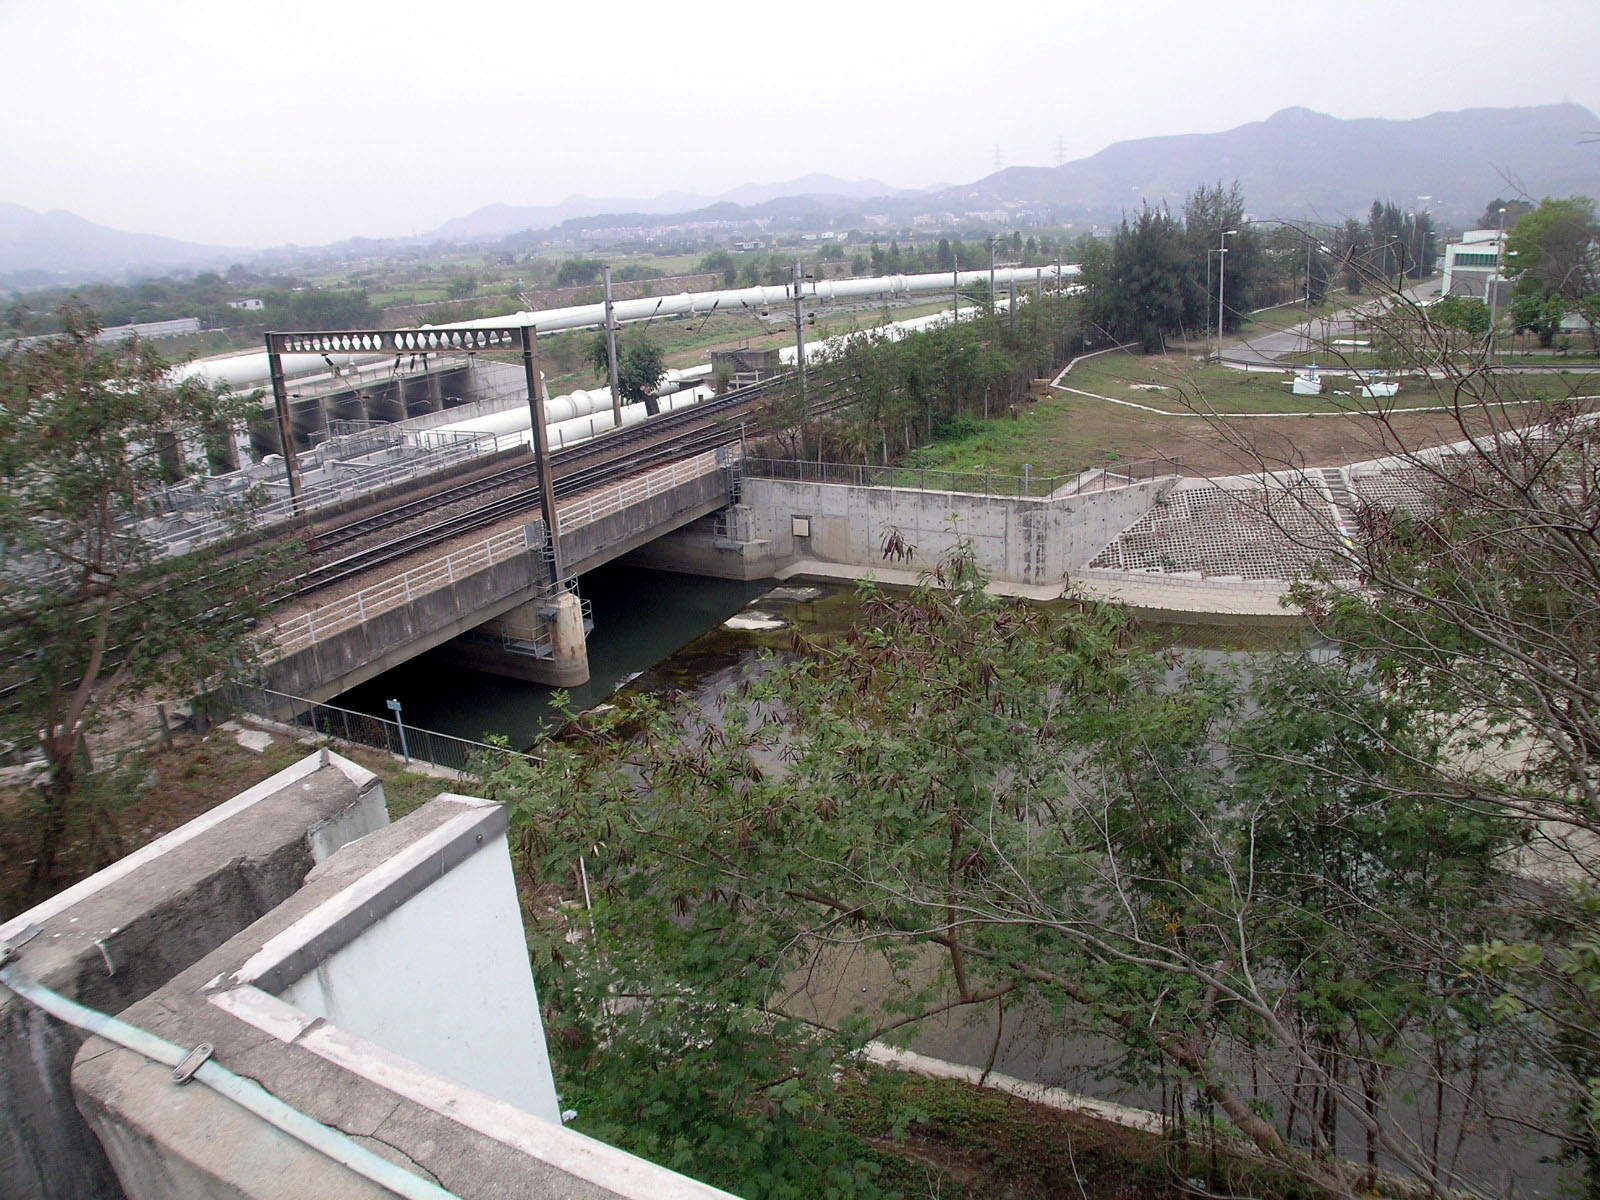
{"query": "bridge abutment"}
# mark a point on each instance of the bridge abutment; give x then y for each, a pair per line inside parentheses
(731, 544)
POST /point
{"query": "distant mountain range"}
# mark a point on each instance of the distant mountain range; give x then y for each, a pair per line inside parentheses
(59, 243)
(1296, 164)
(496, 221)
(1301, 164)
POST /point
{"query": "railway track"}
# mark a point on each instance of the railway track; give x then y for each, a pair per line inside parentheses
(576, 470)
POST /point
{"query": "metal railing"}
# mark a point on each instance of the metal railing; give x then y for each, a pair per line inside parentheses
(461, 755)
(603, 502)
(296, 633)
(339, 615)
(980, 483)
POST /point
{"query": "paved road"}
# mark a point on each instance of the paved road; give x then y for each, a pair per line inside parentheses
(1267, 349)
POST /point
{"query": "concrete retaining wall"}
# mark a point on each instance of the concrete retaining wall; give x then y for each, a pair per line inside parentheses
(1016, 540)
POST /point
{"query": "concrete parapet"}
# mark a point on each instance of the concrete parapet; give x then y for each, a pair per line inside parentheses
(120, 935)
(388, 996)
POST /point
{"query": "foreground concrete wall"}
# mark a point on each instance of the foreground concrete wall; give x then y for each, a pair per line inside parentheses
(120, 935)
(168, 1140)
(453, 995)
(1017, 540)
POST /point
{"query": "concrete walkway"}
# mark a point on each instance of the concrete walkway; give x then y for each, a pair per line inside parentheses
(1180, 597)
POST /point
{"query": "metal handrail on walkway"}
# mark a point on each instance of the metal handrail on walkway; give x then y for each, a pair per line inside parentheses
(339, 615)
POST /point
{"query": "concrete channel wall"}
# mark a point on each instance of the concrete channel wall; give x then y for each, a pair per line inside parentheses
(1016, 539)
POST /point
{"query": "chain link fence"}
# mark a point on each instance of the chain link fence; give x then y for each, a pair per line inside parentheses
(462, 756)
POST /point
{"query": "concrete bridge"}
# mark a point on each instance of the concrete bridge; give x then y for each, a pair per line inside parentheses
(489, 601)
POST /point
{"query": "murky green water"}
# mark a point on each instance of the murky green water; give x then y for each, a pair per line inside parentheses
(663, 631)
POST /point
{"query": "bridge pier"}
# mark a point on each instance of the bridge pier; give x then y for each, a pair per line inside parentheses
(539, 641)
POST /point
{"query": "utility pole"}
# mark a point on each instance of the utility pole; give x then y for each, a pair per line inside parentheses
(611, 352)
(799, 328)
(1222, 286)
(991, 272)
(955, 291)
(1011, 304)
(1494, 275)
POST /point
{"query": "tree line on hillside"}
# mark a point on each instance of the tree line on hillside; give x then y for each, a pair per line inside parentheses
(286, 304)
(1161, 275)
(947, 254)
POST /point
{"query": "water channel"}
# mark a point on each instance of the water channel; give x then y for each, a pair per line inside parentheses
(658, 631)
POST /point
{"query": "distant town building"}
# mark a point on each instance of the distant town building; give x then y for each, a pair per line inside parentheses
(252, 304)
(1472, 265)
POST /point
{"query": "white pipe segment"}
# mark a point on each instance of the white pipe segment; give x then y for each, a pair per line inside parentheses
(571, 430)
(250, 370)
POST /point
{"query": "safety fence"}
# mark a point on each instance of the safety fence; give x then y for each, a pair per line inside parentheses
(603, 502)
(408, 742)
(980, 483)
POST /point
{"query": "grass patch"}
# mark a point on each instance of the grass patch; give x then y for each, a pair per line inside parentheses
(1179, 386)
(944, 1138)
(157, 789)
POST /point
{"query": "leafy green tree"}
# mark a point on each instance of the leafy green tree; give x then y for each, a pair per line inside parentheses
(1465, 313)
(640, 368)
(1537, 314)
(1014, 808)
(1473, 603)
(722, 263)
(1494, 218)
(578, 272)
(1144, 286)
(1552, 257)
(93, 613)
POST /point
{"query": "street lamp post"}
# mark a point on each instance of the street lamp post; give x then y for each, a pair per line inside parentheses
(1320, 249)
(1494, 275)
(1222, 286)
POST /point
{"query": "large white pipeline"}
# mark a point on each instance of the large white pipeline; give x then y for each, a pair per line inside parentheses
(581, 415)
(250, 370)
(569, 431)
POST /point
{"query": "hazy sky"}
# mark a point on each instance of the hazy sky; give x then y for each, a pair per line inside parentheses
(256, 124)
